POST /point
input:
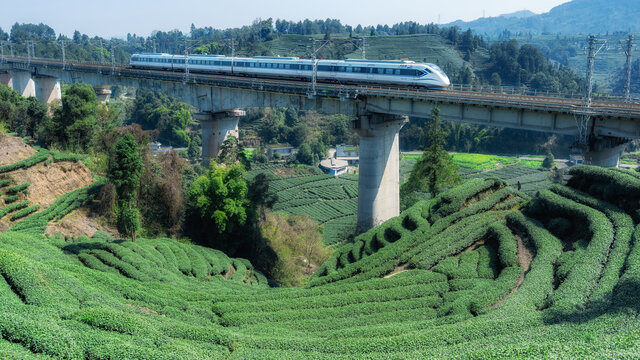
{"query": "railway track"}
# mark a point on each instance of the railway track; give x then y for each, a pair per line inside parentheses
(503, 97)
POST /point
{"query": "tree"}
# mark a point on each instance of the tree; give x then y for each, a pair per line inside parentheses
(74, 124)
(304, 155)
(125, 169)
(219, 198)
(547, 163)
(194, 151)
(259, 195)
(435, 171)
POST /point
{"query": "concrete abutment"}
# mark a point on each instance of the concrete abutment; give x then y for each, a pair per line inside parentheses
(379, 177)
(23, 83)
(47, 89)
(605, 152)
(5, 79)
(216, 127)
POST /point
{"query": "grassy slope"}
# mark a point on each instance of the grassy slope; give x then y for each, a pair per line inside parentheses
(423, 47)
(458, 292)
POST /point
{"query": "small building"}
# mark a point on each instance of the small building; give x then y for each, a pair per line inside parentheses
(157, 149)
(334, 166)
(284, 150)
(576, 159)
(348, 153)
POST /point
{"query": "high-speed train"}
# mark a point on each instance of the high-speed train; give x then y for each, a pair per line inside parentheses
(345, 71)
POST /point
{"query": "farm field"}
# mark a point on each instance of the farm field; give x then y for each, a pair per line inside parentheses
(332, 202)
(529, 173)
(473, 273)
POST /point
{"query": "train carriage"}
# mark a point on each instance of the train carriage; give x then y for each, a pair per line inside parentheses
(346, 71)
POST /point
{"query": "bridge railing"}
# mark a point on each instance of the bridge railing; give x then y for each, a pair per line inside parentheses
(526, 91)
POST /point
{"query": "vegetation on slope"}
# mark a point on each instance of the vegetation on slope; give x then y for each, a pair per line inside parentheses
(462, 275)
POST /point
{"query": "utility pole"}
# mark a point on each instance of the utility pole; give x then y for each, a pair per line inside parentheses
(583, 120)
(113, 59)
(186, 60)
(314, 76)
(233, 53)
(11, 48)
(364, 48)
(101, 53)
(1, 51)
(64, 58)
(154, 46)
(28, 52)
(627, 51)
(591, 56)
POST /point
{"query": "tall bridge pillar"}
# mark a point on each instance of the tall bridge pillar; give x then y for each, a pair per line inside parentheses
(23, 83)
(103, 93)
(5, 79)
(47, 89)
(216, 127)
(379, 178)
(605, 151)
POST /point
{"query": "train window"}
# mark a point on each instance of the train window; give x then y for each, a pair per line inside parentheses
(396, 72)
(380, 71)
(389, 71)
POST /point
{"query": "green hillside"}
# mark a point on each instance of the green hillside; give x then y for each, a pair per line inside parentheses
(572, 17)
(422, 47)
(477, 272)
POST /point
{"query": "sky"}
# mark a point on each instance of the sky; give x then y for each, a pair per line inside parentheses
(119, 17)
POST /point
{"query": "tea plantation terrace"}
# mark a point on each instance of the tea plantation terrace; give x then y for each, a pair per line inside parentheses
(381, 112)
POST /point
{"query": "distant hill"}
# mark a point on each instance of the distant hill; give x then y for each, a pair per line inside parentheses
(574, 17)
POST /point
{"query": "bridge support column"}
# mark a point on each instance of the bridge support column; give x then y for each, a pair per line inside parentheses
(605, 152)
(5, 79)
(23, 83)
(216, 127)
(103, 93)
(379, 173)
(48, 89)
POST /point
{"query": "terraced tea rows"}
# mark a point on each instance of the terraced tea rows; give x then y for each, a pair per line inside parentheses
(477, 272)
(330, 201)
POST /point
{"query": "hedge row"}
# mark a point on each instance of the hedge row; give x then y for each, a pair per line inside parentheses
(18, 188)
(13, 207)
(39, 157)
(623, 226)
(538, 284)
(24, 212)
(583, 278)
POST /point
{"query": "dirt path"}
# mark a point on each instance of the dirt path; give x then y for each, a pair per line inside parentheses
(49, 182)
(524, 260)
(78, 223)
(12, 150)
(397, 270)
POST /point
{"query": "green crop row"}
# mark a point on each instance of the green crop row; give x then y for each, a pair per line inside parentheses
(539, 285)
(68, 202)
(507, 247)
(623, 227)
(584, 276)
(11, 199)
(13, 207)
(59, 157)
(5, 182)
(39, 157)
(617, 188)
(24, 212)
(18, 188)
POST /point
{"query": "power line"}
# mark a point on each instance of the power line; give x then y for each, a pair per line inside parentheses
(628, 50)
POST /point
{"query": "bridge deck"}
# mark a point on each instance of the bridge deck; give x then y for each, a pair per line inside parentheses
(507, 98)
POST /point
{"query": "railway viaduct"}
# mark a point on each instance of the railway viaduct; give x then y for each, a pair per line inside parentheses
(604, 125)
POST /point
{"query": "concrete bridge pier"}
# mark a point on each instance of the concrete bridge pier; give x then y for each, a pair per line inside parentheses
(605, 151)
(379, 178)
(5, 79)
(216, 127)
(23, 83)
(103, 93)
(48, 89)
